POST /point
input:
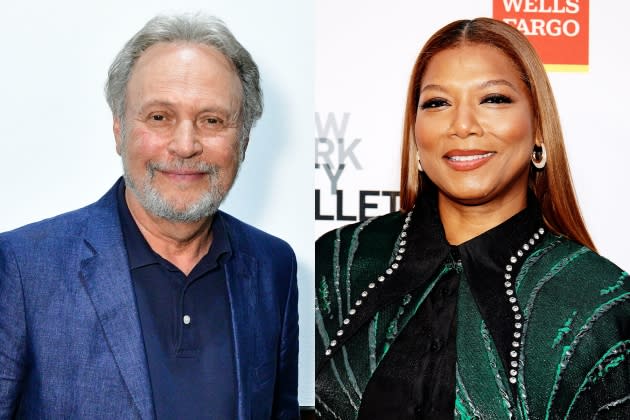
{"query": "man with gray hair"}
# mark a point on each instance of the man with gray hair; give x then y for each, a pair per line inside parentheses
(152, 303)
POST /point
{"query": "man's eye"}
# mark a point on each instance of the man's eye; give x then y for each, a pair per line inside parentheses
(158, 117)
(496, 99)
(213, 123)
(433, 103)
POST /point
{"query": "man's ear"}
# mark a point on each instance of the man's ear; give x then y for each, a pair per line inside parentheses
(117, 134)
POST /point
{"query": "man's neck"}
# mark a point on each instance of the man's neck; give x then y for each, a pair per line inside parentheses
(182, 244)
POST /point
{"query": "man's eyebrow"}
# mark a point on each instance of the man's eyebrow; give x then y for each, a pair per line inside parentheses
(168, 104)
(217, 109)
(154, 103)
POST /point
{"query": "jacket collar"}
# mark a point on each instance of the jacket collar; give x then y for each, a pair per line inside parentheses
(242, 284)
(104, 273)
(424, 250)
(105, 276)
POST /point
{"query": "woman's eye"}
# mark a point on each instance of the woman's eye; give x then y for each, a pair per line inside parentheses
(433, 103)
(496, 99)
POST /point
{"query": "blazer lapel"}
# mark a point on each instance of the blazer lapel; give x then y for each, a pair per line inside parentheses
(106, 278)
(242, 285)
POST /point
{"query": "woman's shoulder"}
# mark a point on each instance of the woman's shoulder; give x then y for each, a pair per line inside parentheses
(346, 260)
(385, 228)
(567, 255)
(577, 317)
(562, 267)
(353, 255)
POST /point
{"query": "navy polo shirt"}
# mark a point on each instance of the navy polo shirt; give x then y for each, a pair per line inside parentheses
(186, 325)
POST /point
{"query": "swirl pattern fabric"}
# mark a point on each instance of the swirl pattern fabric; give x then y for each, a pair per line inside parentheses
(575, 343)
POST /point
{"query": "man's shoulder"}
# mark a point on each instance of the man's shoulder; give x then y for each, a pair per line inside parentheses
(65, 224)
(70, 224)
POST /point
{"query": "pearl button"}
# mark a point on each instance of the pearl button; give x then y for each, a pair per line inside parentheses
(186, 319)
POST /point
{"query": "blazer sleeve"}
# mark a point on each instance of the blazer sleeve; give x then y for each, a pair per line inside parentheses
(12, 333)
(285, 405)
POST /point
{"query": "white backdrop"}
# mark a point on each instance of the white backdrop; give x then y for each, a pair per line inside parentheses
(57, 149)
(364, 53)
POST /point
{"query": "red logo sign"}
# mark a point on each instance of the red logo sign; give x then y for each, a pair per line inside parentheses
(558, 29)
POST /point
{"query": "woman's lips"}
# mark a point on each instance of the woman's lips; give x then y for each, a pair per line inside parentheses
(467, 160)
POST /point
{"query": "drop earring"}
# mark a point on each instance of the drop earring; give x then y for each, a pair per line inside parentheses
(419, 164)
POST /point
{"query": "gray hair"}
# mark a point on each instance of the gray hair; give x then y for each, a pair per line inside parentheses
(198, 29)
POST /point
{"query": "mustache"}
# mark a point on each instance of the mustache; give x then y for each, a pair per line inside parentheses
(182, 165)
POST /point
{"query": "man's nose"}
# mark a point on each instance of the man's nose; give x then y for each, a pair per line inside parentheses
(185, 142)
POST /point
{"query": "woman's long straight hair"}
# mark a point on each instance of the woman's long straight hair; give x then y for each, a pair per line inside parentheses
(552, 185)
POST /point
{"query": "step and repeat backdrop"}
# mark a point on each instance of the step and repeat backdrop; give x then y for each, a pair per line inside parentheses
(364, 53)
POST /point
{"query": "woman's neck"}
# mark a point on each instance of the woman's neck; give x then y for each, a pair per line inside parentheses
(463, 222)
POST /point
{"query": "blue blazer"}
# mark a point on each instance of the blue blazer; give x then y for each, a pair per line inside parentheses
(71, 345)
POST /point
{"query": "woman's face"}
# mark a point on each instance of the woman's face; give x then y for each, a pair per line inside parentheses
(475, 127)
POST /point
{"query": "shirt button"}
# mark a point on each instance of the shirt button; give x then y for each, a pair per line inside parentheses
(436, 345)
(186, 319)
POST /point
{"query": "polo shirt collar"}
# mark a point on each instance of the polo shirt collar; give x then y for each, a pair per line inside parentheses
(139, 251)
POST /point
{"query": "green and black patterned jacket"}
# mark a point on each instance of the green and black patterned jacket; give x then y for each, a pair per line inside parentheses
(573, 350)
